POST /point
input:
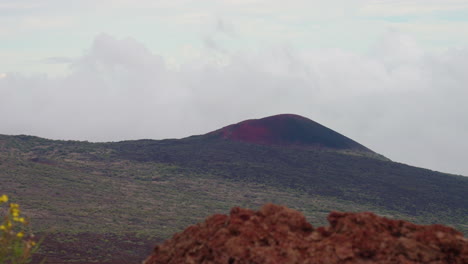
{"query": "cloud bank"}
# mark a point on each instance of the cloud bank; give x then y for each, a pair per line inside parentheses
(398, 100)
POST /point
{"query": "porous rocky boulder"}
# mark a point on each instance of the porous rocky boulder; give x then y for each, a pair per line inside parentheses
(277, 234)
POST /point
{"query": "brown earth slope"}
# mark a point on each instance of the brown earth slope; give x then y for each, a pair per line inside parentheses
(277, 234)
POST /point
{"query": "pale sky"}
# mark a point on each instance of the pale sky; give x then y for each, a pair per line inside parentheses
(392, 75)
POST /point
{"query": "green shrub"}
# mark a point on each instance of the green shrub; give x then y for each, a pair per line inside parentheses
(16, 240)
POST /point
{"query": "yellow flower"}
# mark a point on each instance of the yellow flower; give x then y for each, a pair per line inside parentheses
(14, 209)
(18, 219)
(2, 227)
(3, 198)
(20, 234)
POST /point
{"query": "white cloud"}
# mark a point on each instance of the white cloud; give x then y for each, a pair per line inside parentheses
(15, 5)
(409, 7)
(58, 60)
(399, 100)
(35, 29)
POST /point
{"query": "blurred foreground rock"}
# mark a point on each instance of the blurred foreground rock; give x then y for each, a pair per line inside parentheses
(279, 235)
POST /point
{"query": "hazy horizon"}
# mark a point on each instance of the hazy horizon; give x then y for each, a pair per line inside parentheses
(390, 75)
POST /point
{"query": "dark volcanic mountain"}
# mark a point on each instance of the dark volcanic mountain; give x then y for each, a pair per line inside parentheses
(264, 151)
(102, 198)
(288, 130)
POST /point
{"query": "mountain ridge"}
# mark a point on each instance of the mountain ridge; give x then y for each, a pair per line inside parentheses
(92, 192)
(287, 130)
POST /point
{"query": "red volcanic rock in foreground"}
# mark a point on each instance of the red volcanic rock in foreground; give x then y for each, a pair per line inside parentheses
(279, 235)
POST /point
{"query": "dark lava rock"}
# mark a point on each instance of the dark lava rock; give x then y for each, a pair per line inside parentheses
(277, 235)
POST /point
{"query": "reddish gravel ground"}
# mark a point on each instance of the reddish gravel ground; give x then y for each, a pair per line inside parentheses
(279, 235)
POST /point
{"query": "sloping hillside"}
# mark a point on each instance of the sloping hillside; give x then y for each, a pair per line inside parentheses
(89, 196)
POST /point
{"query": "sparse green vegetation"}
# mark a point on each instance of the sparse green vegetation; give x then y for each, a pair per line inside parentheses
(137, 192)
